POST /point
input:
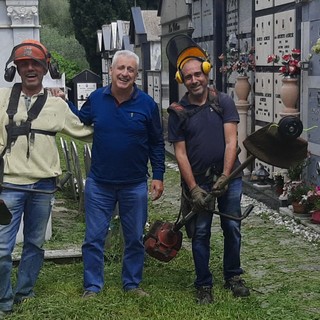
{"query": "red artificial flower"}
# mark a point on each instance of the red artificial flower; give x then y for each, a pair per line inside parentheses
(290, 63)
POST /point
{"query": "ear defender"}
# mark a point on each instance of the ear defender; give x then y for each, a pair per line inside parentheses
(9, 73)
(53, 68)
(179, 77)
(206, 66)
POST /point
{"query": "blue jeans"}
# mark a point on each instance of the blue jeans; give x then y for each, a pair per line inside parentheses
(229, 203)
(35, 209)
(100, 202)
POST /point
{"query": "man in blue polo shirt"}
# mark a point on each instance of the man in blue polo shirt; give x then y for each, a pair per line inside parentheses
(127, 134)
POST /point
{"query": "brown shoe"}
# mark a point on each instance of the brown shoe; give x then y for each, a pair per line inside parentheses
(138, 292)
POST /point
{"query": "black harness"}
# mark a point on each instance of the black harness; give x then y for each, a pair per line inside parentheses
(24, 129)
(184, 115)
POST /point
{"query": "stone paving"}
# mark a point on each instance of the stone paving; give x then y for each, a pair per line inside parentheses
(297, 224)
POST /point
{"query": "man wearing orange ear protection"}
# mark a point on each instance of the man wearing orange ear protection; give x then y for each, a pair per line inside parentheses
(203, 129)
(29, 165)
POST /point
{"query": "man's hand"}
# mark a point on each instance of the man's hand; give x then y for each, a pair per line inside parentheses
(156, 189)
(218, 189)
(57, 92)
(198, 196)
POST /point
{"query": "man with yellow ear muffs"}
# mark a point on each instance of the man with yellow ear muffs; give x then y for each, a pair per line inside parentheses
(203, 129)
(187, 49)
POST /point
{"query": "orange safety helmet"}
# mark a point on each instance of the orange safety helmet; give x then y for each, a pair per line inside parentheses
(31, 49)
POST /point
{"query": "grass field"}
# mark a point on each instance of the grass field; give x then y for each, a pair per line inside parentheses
(281, 269)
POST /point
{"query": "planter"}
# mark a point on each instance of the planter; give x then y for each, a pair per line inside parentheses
(289, 94)
(278, 190)
(315, 217)
(242, 89)
(298, 207)
(278, 185)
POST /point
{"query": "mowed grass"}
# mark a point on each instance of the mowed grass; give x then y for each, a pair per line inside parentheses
(281, 269)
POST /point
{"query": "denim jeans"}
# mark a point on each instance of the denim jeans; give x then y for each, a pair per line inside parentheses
(35, 209)
(229, 203)
(100, 202)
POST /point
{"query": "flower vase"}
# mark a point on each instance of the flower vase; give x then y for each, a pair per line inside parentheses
(289, 94)
(315, 216)
(298, 207)
(279, 184)
(242, 89)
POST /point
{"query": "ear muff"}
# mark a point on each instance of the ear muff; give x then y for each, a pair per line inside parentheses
(54, 71)
(54, 68)
(206, 66)
(179, 77)
(9, 73)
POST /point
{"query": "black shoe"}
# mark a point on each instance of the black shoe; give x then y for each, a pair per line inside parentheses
(204, 295)
(22, 299)
(236, 285)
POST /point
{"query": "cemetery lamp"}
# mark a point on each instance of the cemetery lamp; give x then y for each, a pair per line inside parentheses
(262, 174)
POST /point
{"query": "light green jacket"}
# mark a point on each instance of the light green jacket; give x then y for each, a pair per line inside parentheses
(43, 161)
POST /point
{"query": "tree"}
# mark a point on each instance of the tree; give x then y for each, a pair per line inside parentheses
(55, 13)
(67, 47)
(88, 18)
(57, 34)
(69, 67)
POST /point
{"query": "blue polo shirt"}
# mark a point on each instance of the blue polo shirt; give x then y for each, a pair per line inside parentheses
(125, 137)
(203, 132)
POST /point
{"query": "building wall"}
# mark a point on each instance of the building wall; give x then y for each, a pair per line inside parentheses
(175, 18)
(19, 20)
(310, 86)
(272, 27)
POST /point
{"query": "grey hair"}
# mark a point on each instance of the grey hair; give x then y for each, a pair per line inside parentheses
(125, 53)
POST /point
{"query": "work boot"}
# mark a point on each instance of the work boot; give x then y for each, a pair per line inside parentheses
(19, 299)
(204, 295)
(237, 286)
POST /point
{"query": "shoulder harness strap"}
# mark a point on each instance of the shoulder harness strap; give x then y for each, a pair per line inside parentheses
(214, 101)
(184, 114)
(14, 131)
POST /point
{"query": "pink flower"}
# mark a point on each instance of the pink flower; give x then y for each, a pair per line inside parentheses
(241, 62)
(273, 58)
(290, 63)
